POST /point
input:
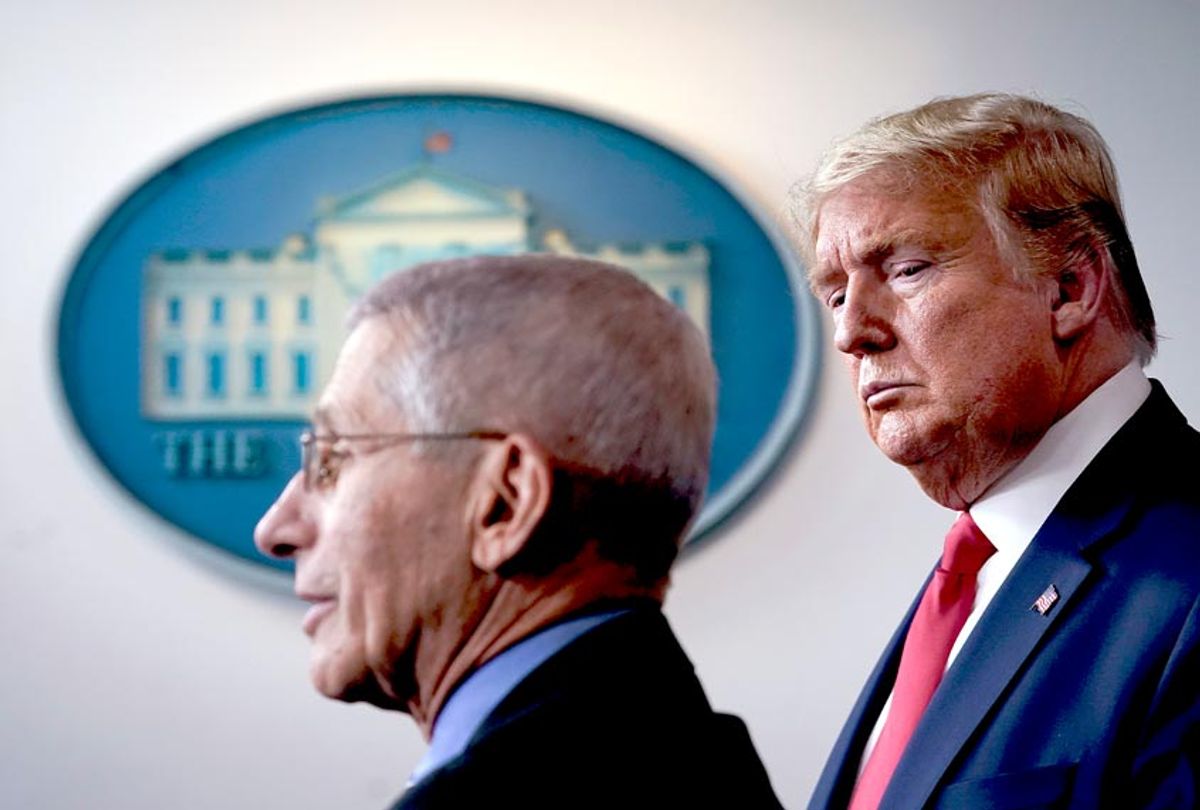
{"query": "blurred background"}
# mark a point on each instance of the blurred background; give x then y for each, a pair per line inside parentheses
(142, 670)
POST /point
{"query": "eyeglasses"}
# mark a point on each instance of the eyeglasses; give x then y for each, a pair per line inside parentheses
(321, 461)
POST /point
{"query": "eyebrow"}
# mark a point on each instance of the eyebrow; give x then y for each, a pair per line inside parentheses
(820, 278)
(875, 250)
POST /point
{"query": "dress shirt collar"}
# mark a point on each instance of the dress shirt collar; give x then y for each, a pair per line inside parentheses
(475, 698)
(1012, 511)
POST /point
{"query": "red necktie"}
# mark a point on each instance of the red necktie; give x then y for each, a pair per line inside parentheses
(943, 611)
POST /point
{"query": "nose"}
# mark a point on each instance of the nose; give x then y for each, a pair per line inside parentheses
(287, 527)
(862, 324)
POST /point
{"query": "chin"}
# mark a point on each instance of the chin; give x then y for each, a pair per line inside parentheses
(911, 441)
(333, 678)
(341, 680)
(902, 448)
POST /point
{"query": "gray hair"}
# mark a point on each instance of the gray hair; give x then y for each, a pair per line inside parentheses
(1040, 177)
(614, 381)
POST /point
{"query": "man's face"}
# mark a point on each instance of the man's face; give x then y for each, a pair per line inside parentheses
(381, 548)
(951, 357)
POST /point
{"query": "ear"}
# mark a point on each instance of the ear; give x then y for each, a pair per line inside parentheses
(515, 484)
(1080, 292)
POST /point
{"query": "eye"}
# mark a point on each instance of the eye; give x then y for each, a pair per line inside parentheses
(325, 471)
(835, 299)
(324, 462)
(909, 269)
(329, 464)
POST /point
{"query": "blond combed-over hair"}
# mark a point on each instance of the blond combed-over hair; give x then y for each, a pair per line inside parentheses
(1041, 178)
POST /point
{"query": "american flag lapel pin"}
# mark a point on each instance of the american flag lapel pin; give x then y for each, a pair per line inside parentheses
(1046, 601)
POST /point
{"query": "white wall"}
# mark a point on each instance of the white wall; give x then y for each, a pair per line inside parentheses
(138, 673)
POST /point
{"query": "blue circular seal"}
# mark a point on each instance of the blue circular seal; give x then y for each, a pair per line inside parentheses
(203, 316)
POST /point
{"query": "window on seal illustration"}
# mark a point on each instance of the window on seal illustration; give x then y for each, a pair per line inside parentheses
(217, 311)
(174, 310)
(216, 374)
(677, 295)
(258, 373)
(304, 310)
(302, 372)
(260, 310)
(173, 374)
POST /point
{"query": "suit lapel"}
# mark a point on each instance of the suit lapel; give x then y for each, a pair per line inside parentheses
(1006, 635)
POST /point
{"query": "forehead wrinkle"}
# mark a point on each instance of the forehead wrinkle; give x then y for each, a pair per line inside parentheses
(860, 245)
(871, 247)
(361, 396)
(930, 217)
(830, 265)
(388, 396)
(348, 405)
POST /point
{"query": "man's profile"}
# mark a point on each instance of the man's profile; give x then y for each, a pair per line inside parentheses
(498, 478)
(985, 295)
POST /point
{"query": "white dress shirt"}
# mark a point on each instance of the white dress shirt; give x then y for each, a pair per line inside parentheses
(1013, 509)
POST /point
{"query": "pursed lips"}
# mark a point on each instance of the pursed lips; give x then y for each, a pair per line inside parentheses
(874, 392)
(321, 607)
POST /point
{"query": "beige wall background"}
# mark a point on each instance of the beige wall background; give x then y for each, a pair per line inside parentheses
(140, 671)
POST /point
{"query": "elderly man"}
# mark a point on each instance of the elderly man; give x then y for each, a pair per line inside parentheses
(974, 258)
(497, 480)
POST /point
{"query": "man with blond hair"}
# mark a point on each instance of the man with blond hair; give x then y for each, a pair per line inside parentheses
(974, 258)
(498, 478)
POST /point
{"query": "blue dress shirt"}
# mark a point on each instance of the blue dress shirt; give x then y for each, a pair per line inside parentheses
(475, 698)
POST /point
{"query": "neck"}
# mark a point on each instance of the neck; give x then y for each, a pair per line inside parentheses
(513, 609)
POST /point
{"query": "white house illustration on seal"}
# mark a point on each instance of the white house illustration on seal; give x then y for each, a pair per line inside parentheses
(252, 334)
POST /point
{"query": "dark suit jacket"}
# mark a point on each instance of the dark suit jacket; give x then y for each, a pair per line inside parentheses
(615, 719)
(1097, 703)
